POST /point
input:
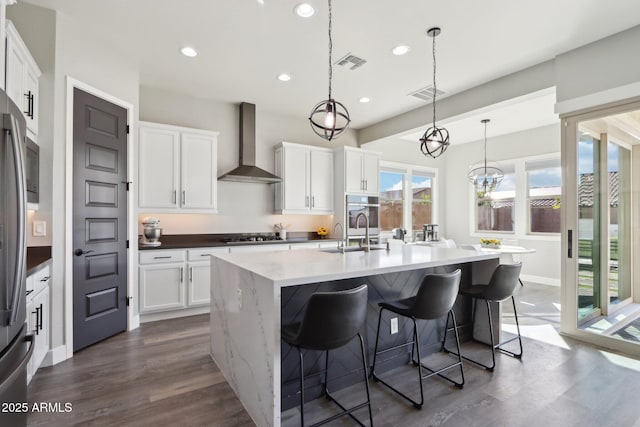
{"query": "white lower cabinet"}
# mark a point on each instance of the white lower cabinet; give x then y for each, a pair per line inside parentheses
(38, 318)
(161, 287)
(175, 279)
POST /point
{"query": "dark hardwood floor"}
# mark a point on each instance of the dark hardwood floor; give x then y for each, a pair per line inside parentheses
(162, 375)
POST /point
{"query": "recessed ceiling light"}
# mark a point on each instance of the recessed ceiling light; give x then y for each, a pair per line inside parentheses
(304, 10)
(188, 51)
(284, 77)
(364, 100)
(400, 49)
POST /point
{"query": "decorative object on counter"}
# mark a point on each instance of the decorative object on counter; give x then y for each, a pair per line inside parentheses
(430, 232)
(329, 118)
(151, 234)
(322, 232)
(435, 140)
(281, 230)
(490, 243)
(486, 177)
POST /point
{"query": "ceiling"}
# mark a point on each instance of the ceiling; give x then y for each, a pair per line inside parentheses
(244, 45)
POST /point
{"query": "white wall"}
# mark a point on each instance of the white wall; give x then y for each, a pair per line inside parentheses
(243, 207)
(545, 262)
(605, 64)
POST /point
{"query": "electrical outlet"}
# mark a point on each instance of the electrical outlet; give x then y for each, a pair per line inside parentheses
(39, 228)
(239, 296)
(394, 325)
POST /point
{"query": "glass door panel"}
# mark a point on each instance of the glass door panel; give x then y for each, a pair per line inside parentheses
(589, 301)
(619, 184)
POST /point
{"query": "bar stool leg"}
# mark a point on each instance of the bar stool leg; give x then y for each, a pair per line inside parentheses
(519, 337)
(455, 329)
(416, 341)
(493, 346)
(301, 386)
(366, 378)
(326, 375)
(375, 349)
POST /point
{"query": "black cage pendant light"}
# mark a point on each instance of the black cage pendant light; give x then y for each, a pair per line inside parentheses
(486, 177)
(435, 140)
(329, 118)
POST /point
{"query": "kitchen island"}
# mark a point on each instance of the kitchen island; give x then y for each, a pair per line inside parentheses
(252, 295)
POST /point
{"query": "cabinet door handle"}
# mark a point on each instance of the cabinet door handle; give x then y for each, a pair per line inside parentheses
(41, 322)
(37, 318)
(31, 105)
(191, 274)
(45, 279)
(162, 257)
(174, 197)
(181, 274)
(28, 112)
(306, 201)
(184, 197)
(37, 313)
(313, 201)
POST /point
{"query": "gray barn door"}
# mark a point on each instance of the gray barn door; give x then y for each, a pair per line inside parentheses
(99, 219)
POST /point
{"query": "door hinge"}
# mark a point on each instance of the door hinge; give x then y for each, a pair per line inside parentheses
(128, 301)
(127, 243)
(127, 129)
(127, 183)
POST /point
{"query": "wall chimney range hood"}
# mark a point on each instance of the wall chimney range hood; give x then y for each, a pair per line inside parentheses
(248, 171)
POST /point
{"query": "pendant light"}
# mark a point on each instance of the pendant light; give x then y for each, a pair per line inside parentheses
(486, 177)
(329, 118)
(435, 140)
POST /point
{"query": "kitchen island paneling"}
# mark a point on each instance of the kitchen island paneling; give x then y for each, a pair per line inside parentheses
(252, 296)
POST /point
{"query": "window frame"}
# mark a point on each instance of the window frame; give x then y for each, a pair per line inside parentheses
(521, 215)
(408, 170)
(529, 198)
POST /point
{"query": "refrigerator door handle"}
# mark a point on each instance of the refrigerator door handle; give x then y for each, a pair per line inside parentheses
(12, 131)
(9, 380)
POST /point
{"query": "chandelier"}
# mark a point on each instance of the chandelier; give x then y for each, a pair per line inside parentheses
(435, 140)
(486, 177)
(329, 118)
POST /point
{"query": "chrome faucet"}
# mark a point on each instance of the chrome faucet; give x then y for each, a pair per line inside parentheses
(341, 242)
(366, 231)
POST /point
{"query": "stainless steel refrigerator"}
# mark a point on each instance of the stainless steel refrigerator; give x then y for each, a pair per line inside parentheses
(15, 345)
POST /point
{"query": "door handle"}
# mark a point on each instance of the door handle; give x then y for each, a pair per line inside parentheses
(570, 243)
(184, 197)
(41, 323)
(313, 201)
(28, 96)
(80, 252)
(191, 274)
(37, 313)
(32, 105)
(181, 274)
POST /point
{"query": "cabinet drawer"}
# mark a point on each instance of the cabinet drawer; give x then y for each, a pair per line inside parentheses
(161, 256)
(203, 253)
(296, 246)
(260, 248)
(40, 279)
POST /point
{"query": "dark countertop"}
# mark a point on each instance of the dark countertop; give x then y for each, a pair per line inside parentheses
(37, 257)
(186, 241)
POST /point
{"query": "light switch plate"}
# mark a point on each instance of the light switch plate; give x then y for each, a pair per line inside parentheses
(39, 228)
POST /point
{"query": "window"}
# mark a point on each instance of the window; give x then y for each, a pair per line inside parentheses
(391, 199)
(496, 211)
(406, 196)
(422, 202)
(544, 182)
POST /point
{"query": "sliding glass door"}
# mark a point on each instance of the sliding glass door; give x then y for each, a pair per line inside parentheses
(601, 252)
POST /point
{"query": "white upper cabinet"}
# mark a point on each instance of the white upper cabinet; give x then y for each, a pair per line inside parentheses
(360, 169)
(307, 179)
(22, 74)
(177, 169)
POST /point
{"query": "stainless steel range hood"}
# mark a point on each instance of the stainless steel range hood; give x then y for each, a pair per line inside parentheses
(248, 171)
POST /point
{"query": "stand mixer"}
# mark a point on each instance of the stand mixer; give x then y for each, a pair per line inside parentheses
(151, 233)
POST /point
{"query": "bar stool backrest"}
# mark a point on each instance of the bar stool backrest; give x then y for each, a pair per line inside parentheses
(503, 281)
(332, 319)
(436, 295)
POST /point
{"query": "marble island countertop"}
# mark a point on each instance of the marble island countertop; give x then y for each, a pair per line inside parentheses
(307, 266)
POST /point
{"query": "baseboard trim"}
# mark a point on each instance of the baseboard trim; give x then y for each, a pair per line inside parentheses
(165, 315)
(55, 356)
(540, 279)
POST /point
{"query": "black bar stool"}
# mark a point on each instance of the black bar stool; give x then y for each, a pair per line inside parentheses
(434, 299)
(500, 287)
(330, 321)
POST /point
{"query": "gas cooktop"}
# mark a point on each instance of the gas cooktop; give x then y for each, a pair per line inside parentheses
(252, 238)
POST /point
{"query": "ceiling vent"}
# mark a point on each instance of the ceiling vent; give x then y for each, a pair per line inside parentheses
(426, 93)
(351, 61)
